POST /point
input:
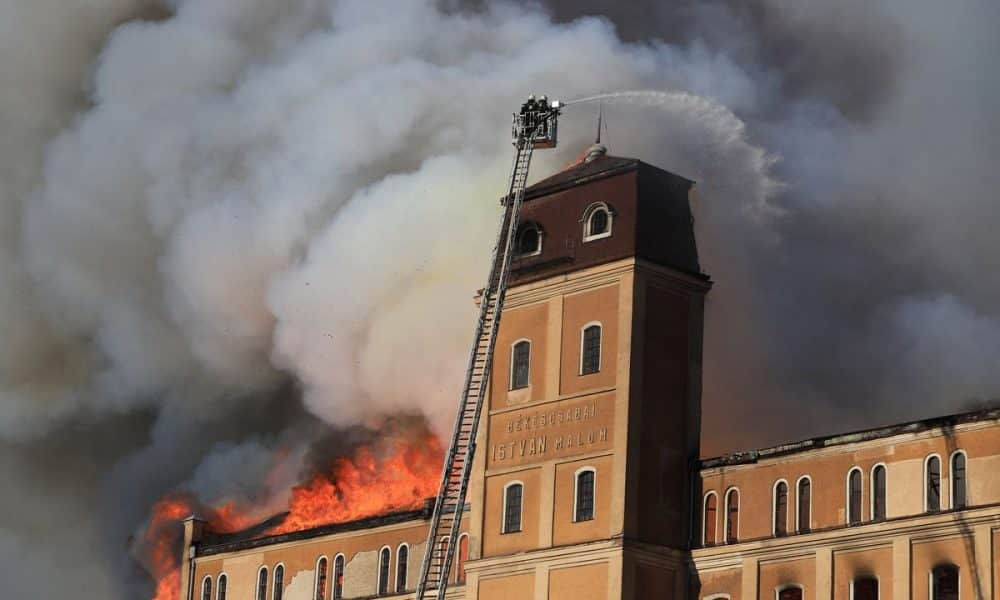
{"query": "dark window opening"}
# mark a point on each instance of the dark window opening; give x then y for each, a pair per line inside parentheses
(944, 582)
(206, 589)
(933, 484)
(865, 588)
(805, 504)
(790, 594)
(529, 241)
(338, 578)
(520, 363)
(402, 558)
(383, 571)
(732, 516)
(781, 509)
(854, 497)
(591, 359)
(321, 579)
(599, 222)
(262, 585)
(512, 508)
(279, 583)
(709, 528)
(958, 499)
(223, 581)
(584, 496)
(878, 493)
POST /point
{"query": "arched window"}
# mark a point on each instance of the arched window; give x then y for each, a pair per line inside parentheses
(804, 504)
(590, 349)
(463, 556)
(279, 583)
(597, 221)
(854, 496)
(338, 577)
(864, 588)
(206, 588)
(708, 529)
(932, 483)
(262, 584)
(583, 501)
(529, 240)
(512, 496)
(944, 582)
(732, 515)
(402, 565)
(220, 593)
(384, 556)
(878, 493)
(958, 488)
(780, 508)
(791, 592)
(319, 593)
(520, 357)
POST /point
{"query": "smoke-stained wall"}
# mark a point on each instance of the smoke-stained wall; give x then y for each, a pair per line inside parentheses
(226, 225)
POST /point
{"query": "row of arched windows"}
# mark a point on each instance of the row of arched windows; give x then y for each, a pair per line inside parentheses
(590, 356)
(596, 220)
(853, 500)
(584, 483)
(942, 583)
(403, 565)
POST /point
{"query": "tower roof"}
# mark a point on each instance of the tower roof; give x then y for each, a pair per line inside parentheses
(585, 171)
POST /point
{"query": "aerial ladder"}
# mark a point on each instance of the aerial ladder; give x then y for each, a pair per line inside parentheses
(534, 126)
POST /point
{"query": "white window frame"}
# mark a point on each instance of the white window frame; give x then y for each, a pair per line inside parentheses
(517, 241)
(458, 551)
(704, 509)
(847, 496)
(588, 214)
(725, 516)
(789, 586)
(388, 574)
(316, 576)
(716, 597)
(503, 508)
(774, 506)
(256, 584)
(951, 478)
(871, 493)
(510, 381)
(798, 500)
(219, 587)
(600, 354)
(333, 572)
(941, 486)
(395, 588)
(930, 580)
(274, 580)
(878, 581)
(201, 590)
(576, 492)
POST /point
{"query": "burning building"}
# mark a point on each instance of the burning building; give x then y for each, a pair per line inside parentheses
(589, 481)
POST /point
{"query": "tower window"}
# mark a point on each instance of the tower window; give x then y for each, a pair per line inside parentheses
(206, 588)
(864, 588)
(463, 556)
(958, 489)
(512, 498)
(279, 582)
(597, 221)
(220, 594)
(402, 560)
(529, 240)
(383, 571)
(711, 502)
(584, 500)
(878, 493)
(320, 591)
(732, 516)
(519, 365)
(944, 582)
(262, 584)
(590, 357)
(854, 497)
(781, 509)
(932, 484)
(804, 504)
(338, 577)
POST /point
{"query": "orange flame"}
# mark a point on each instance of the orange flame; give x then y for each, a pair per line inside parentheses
(398, 473)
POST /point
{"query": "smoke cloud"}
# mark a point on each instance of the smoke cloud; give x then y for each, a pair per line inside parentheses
(230, 227)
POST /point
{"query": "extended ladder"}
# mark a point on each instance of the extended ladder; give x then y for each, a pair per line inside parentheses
(535, 125)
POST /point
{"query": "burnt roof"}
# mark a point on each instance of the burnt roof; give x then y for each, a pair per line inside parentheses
(583, 172)
(863, 435)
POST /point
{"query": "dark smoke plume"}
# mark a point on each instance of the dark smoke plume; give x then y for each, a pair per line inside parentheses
(229, 227)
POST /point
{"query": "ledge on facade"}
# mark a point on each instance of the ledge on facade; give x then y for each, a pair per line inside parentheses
(752, 456)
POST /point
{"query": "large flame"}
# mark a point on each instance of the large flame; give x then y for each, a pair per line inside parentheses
(396, 473)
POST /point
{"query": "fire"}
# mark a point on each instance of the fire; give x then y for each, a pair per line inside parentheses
(398, 472)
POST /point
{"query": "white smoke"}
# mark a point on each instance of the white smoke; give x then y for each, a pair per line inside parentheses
(228, 224)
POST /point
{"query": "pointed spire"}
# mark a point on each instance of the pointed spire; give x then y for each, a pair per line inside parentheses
(600, 117)
(598, 149)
